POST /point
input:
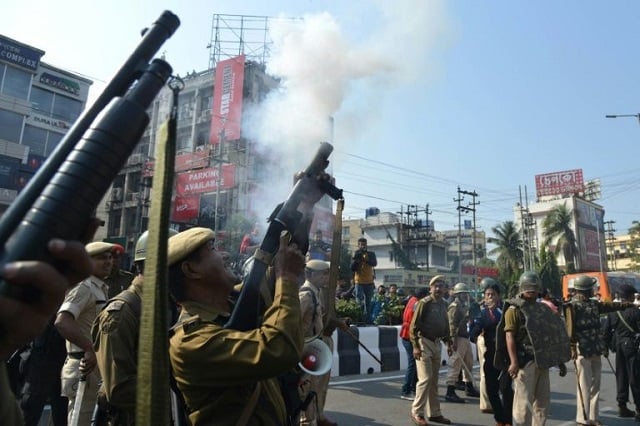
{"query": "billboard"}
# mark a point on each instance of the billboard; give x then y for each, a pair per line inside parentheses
(185, 208)
(559, 183)
(205, 180)
(589, 236)
(226, 113)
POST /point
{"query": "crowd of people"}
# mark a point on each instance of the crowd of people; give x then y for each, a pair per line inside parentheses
(519, 339)
(84, 339)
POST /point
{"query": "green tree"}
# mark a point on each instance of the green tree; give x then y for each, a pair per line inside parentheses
(634, 234)
(556, 227)
(549, 272)
(508, 250)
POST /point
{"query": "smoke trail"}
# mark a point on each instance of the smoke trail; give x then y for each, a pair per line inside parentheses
(321, 71)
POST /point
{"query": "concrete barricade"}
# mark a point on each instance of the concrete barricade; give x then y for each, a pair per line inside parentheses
(349, 357)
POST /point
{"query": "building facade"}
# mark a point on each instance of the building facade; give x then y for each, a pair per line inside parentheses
(38, 104)
(586, 223)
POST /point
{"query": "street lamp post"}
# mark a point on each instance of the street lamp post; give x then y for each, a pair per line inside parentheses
(623, 116)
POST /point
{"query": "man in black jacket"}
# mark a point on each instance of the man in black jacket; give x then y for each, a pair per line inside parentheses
(620, 329)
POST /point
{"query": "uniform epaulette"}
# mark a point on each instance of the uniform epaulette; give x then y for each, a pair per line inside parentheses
(114, 305)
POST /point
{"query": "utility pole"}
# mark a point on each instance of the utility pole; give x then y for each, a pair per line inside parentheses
(427, 212)
(460, 208)
(610, 243)
(472, 207)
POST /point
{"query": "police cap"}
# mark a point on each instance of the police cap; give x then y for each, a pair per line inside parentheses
(438, 278)
(98, 247)
(183, 244)
(317, 265)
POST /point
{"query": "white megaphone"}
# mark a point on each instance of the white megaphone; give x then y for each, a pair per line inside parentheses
(316, 358)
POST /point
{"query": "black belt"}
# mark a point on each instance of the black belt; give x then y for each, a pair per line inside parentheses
(75, 355)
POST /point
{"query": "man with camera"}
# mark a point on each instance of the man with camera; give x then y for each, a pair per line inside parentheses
(362, 265)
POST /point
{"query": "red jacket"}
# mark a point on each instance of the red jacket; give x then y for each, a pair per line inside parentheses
(407, 315)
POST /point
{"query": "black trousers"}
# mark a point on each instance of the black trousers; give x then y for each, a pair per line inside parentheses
(498, 386)
(627, 371)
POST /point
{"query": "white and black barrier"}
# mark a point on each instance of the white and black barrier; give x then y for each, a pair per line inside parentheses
(383, 342)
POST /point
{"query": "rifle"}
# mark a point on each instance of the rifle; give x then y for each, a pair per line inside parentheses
(59, 200)
(293, 216)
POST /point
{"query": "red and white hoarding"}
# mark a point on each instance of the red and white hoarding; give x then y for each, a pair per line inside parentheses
(185, 208)
(227, 100)
(559, 183)
(205, 180)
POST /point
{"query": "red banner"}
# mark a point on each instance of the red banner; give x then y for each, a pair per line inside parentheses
(481, 271)
(192, 160)
(559, 183)
(205, 180)
(227, 100)
(185, 209)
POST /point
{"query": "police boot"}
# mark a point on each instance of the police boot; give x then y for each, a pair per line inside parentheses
(623, 411)
(471, 391)
(451, 395)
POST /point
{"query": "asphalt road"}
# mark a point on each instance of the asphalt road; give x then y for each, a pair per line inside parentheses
(374, 400)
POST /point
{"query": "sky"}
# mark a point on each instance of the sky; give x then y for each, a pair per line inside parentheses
(427, 96)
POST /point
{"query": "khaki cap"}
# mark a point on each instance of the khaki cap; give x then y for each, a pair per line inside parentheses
(437, 278)
(317, 265)
(184, 243)
(98, 247)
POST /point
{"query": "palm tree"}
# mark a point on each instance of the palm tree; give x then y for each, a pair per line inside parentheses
(557, 227)
(509, 250)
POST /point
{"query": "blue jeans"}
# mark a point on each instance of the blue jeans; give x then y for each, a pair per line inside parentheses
(411, 376)
(364, 293)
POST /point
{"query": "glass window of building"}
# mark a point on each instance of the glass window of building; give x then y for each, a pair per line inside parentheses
(66, 108)
(41, 100)
(35, 138)
(16, 83)
(52, 142)
(10, 126)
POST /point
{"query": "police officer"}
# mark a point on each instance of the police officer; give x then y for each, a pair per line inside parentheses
(582, 315)
(620, 331)
(228, 376)
(118, 279)
(429, 326)
(313, 309)
(530, 339)
(74, 320)
(115, 335)
(458, 314)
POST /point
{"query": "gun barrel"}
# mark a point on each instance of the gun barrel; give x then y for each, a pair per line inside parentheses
(134, 66)
(63, 209)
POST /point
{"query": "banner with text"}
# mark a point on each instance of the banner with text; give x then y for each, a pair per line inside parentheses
(185, 208)
(205, 180)
(227, 100)
(559, 183)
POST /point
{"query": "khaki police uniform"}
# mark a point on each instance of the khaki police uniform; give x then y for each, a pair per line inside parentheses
(458, 314)
(115, 335)
(312, 311)
(217, 369)
(429, 326)
(83, 302)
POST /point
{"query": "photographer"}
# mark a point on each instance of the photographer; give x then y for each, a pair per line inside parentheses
(362, 265)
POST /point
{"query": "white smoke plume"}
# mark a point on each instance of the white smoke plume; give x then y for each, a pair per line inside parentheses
(324, 74)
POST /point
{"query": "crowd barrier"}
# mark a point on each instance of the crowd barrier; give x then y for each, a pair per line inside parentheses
(383, 342)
